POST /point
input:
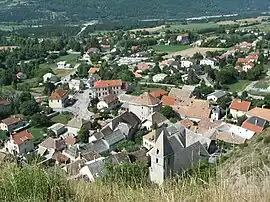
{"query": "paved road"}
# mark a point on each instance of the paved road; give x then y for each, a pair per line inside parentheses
(79, 109)
(207, 82)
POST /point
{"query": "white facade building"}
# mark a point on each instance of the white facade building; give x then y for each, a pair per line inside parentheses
(144, 105)
(20, 143)
(186, 63)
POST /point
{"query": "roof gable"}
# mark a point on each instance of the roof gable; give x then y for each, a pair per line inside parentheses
(240, 105)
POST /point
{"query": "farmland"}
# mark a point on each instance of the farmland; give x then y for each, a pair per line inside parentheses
(191, 51)
(170, 48)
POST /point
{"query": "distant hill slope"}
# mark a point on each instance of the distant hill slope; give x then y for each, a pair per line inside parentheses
(36, 10)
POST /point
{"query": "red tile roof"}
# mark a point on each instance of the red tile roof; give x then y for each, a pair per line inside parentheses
(252, 127)
(168, 100)
(12, 120)
(93, 70)
(184, 35)
(106, 83)
(146, 99)
(142, 66)
(4, 102)
(21, 137)
(240, 105)
(242, 60)
(70, 140)
(159, 93)
(137, 75)
(58, 94)
(238, 68)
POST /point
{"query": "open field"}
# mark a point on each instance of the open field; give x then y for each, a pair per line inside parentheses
(62, 118)
(150, 29)
(62, 72)
(37, 133)
(170, 48)
(67, 58)
(191, 26)
(191, 51)
(263, 84)
(11, 27)
(239, 86)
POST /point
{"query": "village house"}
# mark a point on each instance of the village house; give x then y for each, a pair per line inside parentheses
(159, 77)
(108, 102)
(49, 77)
(209, 62)
(255, 124)
(93, 50)
(121, 127)
(144, 105)
(155, 119)
(183, 38)
(91, 80)
(75, 124)
(93, 70)
(230, 133)
(125, 99)
(215, 96)
(103, 88)
(5, 106)
(58, 129)
(12, 123)
(175, 149)
(50, 146)
(63, 65)
(58, 98)
(75, 84)
(239, 107)
(186, 63)
(20, 143)
(21, 76)
(259, 112)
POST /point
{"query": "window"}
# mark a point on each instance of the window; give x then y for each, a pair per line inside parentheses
(156, 160)
(157, 151)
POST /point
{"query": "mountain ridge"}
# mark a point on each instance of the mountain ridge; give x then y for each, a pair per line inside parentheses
(36, 10)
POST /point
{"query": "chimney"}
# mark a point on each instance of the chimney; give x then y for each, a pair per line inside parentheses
(239, 100)
(256, 122)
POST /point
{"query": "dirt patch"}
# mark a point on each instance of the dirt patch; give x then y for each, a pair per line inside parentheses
(191, 51)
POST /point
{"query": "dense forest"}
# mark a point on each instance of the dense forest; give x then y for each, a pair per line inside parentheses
(76, 10)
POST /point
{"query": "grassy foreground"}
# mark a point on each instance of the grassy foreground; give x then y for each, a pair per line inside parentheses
(245, 176)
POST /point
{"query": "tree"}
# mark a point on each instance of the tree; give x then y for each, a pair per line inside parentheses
(83, 134)
(48, 88)
(82, 70)
(168, 112)
(192, 78)
(25, 96)
(40, 119)
(241, 120)
(197, 56)
(156, 69)
(29, 108)
(244, 95)
(267, 100)
(129, 146)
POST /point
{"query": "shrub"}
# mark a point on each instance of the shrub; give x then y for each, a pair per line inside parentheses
(266, 139)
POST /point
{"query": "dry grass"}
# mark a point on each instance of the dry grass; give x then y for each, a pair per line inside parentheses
(191, 51)
(254, 188)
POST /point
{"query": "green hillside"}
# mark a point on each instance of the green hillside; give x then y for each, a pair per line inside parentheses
(244, 175)
(38, 10)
